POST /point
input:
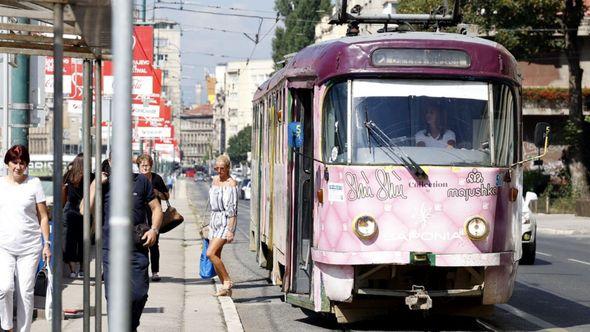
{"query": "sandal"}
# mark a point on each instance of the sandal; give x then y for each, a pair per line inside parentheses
(226, 290)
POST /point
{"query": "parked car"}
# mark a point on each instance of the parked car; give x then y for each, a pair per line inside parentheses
(247, 190)
(241, 187)
(200, 176)
(529, 230)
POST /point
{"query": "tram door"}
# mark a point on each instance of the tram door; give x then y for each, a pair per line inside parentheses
(303, 214)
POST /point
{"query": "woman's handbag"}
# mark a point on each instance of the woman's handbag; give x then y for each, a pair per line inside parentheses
(206, 269)
(41, 282)
(171, 219)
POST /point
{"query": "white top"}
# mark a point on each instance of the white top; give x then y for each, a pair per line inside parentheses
(435, 142)
(20, 232)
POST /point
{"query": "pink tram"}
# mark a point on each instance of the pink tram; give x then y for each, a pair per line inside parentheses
(387, 171)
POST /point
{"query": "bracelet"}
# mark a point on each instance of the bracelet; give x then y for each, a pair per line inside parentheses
(155, 230)
(48, 243)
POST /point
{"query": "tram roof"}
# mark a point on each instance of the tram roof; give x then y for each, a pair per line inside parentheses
(87, 27)
(351, 56)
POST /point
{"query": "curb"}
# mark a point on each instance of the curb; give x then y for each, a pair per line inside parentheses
(230, 313)
(553, 231)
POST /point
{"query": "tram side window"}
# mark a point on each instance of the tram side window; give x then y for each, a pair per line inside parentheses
(335, 124)
(504, 125)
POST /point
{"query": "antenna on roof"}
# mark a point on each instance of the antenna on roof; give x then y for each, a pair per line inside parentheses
(353, 17)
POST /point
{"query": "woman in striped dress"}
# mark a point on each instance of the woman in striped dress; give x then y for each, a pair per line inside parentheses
(223, 197)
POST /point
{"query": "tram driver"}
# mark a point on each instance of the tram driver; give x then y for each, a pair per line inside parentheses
(436, 134)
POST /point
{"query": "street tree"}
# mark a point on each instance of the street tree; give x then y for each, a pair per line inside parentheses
(301, 17)
(239, 145)
(532, 30)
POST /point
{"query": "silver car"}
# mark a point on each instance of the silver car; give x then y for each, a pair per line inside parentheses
(529, 230)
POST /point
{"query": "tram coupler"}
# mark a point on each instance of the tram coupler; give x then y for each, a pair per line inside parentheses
(419, 300)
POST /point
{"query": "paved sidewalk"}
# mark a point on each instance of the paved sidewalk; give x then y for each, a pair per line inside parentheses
(562, 224)
(181, 301)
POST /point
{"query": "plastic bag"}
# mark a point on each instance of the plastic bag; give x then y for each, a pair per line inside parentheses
(206, 269)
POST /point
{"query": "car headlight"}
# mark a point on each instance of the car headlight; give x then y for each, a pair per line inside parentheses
(526, 218)
(365, 227)
(477, 228)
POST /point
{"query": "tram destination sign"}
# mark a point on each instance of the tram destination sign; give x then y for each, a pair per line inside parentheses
(410, 57)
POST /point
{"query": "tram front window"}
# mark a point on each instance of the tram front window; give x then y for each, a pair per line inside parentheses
(431, 122)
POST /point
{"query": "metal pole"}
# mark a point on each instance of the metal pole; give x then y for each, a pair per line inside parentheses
(21, 108)
(110, 126)
(98, 201)
(120, 221)
(87, 144)
(5, 118)
(58, 96)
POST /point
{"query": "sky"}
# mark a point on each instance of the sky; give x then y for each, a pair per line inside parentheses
(198, 36)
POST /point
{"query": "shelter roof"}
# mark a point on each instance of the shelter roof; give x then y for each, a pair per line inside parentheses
(87, 27)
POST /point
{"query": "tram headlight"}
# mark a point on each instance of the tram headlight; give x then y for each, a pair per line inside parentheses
(365, 227)
(477, 228)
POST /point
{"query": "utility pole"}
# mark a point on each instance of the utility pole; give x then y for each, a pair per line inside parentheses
(21, 108)
(144, 10)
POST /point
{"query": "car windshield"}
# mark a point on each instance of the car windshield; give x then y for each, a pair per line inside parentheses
(424, 121)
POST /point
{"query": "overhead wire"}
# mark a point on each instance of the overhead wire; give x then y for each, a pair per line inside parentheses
(196, 4)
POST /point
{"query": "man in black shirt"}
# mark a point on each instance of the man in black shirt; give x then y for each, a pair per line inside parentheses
(143, 198)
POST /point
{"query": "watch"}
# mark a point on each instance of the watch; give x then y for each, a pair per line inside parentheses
(48, 243)
(155, 230)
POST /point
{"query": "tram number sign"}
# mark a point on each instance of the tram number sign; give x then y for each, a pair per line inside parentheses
(295, 135)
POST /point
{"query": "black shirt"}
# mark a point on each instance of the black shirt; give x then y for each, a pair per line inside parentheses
(143, 193)
(159, 185)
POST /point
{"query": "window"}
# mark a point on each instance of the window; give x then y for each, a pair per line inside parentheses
(335, 124)
(431, 122)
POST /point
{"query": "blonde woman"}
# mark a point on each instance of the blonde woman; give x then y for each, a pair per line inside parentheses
(223, 197)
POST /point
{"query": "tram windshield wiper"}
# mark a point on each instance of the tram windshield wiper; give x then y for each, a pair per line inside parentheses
(388, 145)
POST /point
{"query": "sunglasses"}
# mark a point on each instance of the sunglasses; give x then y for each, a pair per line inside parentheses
(218, 168)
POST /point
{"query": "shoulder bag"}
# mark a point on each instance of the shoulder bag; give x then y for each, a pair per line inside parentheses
(172, 218)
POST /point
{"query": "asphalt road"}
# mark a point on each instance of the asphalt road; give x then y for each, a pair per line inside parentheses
(552, 294)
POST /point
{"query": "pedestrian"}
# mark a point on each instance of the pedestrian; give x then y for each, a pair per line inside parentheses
(145, 164)
(72, 192)
(223, 197)
(143, 200)
(24, 223)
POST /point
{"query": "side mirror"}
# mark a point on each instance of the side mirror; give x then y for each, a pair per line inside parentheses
(529, 197)
(295, 135)
(541, 134)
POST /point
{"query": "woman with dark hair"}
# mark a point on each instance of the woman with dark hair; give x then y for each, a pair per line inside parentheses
(436, 134)
(24, 222)
(72, 192)
(145, 164)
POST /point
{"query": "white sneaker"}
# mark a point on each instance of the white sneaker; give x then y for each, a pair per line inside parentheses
(73, 275)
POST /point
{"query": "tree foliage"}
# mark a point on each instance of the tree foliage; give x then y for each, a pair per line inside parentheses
(301, 17)
(240, 145)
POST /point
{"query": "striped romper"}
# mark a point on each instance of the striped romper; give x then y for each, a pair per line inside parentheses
(224, 205)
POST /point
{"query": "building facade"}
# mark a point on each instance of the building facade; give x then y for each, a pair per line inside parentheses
(236, 84)
(197, 132)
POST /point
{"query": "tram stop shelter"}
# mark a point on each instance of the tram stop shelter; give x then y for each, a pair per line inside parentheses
(79, 29)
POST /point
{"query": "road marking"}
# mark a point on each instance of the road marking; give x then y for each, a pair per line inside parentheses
(577, 261)
(530, 318)
(544, 254)
(486, 325)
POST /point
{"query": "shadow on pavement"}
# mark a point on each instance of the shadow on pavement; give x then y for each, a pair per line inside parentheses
(258, 299)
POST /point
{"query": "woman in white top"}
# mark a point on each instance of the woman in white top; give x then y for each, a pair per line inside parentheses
(223, 197)
(24, 219)
(436, 134)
